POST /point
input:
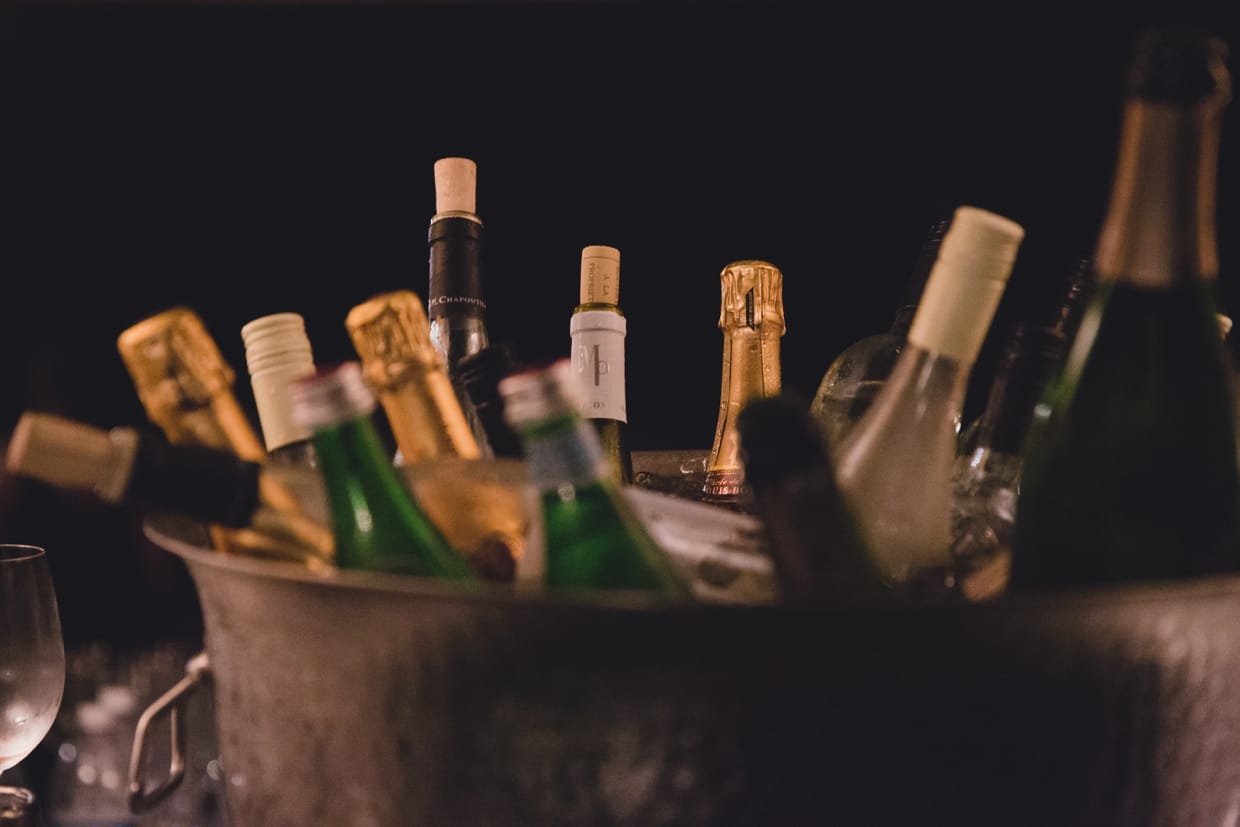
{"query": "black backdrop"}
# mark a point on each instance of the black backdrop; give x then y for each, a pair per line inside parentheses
(248, 159)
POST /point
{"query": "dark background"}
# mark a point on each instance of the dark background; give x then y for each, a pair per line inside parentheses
(246, 159)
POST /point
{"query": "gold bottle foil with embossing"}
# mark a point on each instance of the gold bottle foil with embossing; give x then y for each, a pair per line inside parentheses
(186, 388)
(392, 335)
(751, 316)
(484, 520)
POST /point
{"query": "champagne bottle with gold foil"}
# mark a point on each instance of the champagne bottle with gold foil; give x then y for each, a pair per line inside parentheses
(186, 388)
(598, 328)
(751, 316)
(391, 335)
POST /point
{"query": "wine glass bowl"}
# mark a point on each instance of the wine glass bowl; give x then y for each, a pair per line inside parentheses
(32, 655)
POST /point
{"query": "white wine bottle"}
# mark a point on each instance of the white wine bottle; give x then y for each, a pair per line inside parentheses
(1131, 467)
(895, 464)
(597, 329)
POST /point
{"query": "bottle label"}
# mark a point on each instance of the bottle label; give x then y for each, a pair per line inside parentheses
(598, 363)
(455, 269)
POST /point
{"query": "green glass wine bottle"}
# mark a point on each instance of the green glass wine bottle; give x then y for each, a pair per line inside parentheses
(377, 523)
(593, 540)
(1131, 464)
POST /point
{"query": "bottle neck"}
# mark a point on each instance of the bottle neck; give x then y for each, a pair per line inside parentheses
(455, 269)
(597, 334)
(751, 369)
(563, 451)
(1159, 229)
(349, 450)
(427, 418)
(903, 321)
(1021, 379)
(456, 337)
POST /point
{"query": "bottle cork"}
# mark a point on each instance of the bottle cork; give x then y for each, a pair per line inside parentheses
(600, 275)
(456, 185)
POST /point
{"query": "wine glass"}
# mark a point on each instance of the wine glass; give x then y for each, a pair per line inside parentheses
(32, 652)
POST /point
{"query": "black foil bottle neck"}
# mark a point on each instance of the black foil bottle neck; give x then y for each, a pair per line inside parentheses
(455, 268)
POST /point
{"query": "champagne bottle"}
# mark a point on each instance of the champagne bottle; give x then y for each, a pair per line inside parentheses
(592, 538)
(751, 316)
(141, 470)
(895, 465)
(455, 299)
(377, 523)
(480, 374)
(278, 352)
(853, 378)
(1131, 467)
(186, 389)
(597, 329)
(816, 545)
(986, 477)
(484, 520)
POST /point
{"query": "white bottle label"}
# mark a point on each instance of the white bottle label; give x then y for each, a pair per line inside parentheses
(598, 363)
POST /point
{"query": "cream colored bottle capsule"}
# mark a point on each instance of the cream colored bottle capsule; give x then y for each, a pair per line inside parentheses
(751, 316)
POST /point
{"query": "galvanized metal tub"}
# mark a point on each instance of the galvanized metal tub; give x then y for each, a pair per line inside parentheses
(366, 699)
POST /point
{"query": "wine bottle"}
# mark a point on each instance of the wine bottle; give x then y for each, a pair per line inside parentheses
(895, 465)
(1060, 322)
(592, 538)
(141, 470)
(278, 352)
(455, 301)
(1131, 468)
(597, 329)
(986, 477)
(1074, 299)
(376, 521)
(186, 389)
(816, 545)
(391, 335)
(853, 378)
(751, 316)
(480, 374)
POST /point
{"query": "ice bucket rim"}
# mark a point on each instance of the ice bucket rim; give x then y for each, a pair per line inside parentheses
(162, 533)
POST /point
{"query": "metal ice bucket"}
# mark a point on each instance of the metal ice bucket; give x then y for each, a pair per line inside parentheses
(366, 699)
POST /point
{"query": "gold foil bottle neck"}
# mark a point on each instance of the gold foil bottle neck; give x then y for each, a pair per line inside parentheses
(392, 335)
(752, 296)
(173, 360)
(600, 275)
(184, 383)
(751, 316)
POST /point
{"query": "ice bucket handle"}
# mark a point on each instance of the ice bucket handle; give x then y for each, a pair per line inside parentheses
(172, 702)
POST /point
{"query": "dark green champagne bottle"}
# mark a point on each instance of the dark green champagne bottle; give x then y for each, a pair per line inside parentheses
(593, 540)
(376, 521)
(1131, 465)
